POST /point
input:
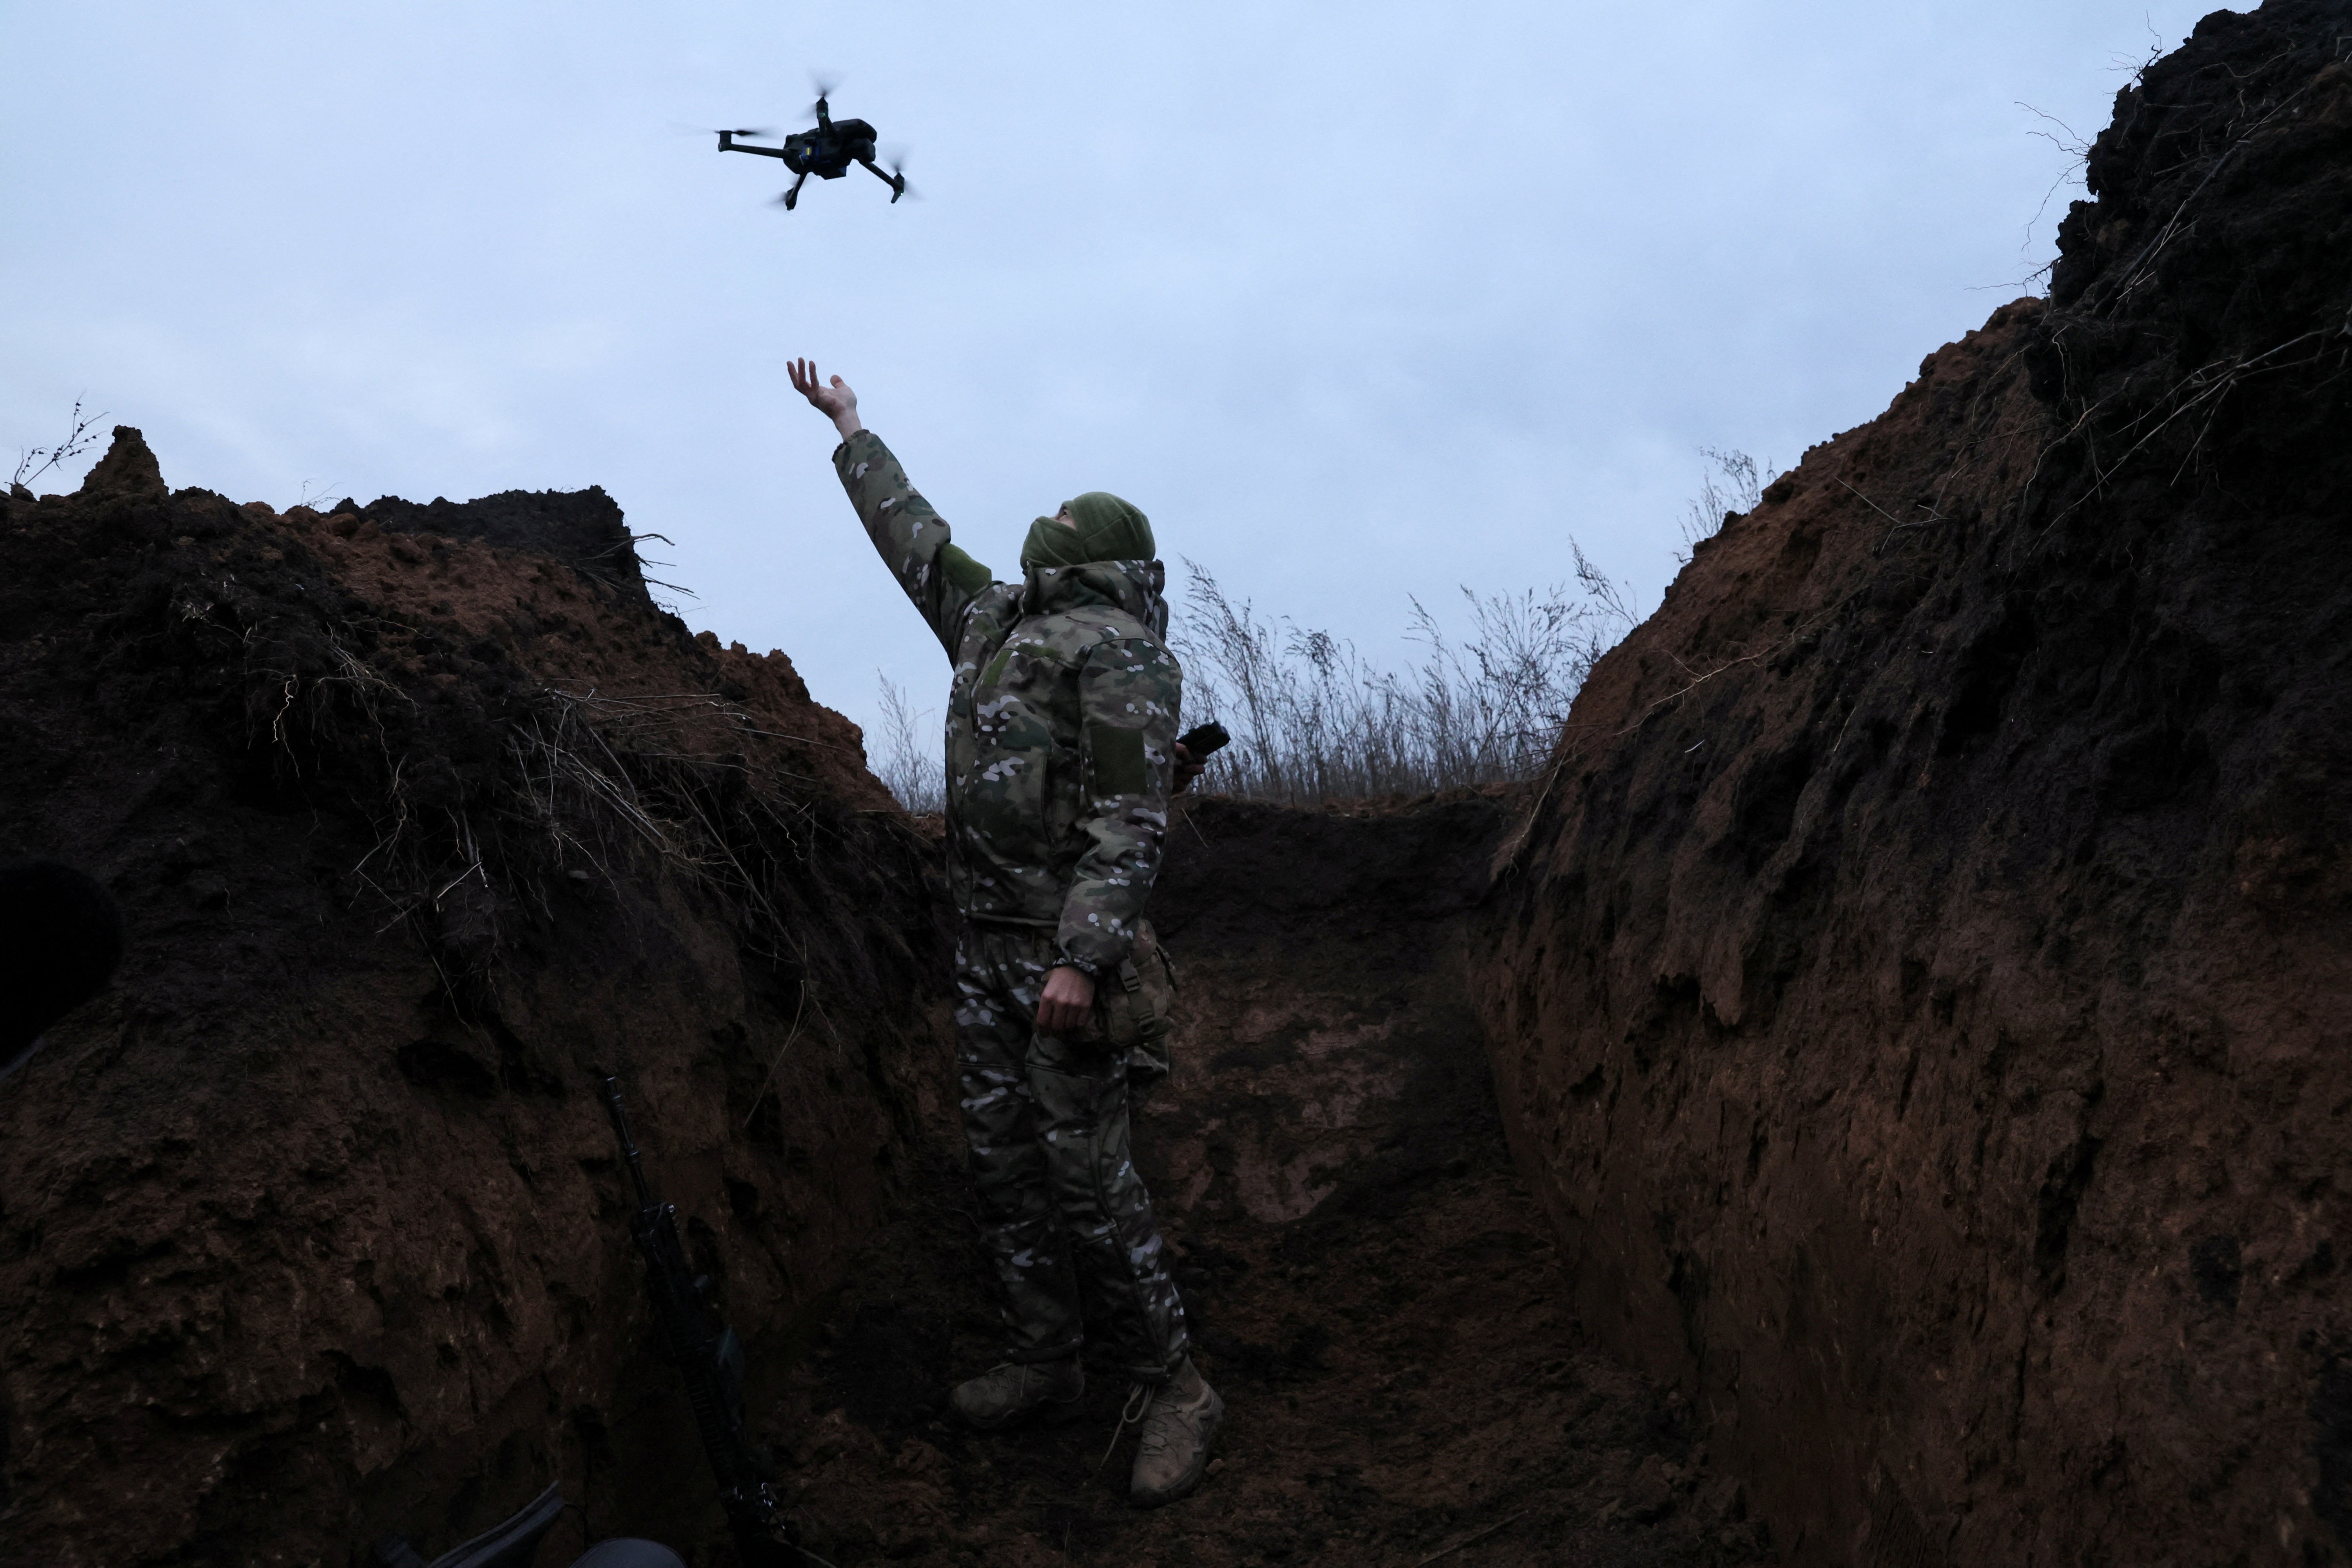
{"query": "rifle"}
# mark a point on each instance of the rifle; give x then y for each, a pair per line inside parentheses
(713, 1366)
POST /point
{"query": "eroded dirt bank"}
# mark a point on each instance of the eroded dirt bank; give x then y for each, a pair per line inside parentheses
(1371, 1286)
(310, 1227)
(1924, 994)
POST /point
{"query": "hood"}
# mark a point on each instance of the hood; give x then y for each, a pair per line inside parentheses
(1135, 587)
(1101, 527)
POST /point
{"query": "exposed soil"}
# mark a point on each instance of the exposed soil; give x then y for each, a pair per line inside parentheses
(1371, 1288)
(1918, 998)
(423, 814)
(311, 1226)
(1923, 994)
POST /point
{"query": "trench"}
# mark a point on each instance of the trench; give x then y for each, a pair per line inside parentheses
(1370, 1284)
(1924, 1001)
(413, 1304)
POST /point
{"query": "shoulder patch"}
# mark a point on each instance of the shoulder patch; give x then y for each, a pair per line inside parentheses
(1118, 765)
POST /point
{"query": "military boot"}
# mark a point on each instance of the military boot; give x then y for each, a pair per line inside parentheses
(1054, 1388)
(1179, 1423)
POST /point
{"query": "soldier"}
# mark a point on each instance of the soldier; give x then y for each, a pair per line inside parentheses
(1061, 755)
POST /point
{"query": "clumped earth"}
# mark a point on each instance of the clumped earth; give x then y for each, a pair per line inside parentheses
(1372, 1287)
(311, 1226)
(1915, 1000)
(1922, 996)
(422, 816)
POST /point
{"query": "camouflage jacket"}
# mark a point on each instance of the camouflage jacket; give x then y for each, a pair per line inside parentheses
(1061, 722)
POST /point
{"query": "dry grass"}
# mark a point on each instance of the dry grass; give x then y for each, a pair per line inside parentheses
(1312, 719)
(1732, 485)
(907, 758)
(32, 462)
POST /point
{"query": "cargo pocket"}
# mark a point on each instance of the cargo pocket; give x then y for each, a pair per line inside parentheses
(1135, 1002)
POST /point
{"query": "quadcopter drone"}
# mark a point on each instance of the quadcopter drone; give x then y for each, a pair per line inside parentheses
(826, 151)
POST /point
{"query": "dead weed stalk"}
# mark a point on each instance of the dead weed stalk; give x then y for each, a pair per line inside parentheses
(1313, 721)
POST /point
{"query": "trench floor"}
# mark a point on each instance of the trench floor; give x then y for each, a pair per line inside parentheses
(1372, 1289)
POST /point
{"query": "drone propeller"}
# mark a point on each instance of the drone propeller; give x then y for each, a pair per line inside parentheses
(825, 86)
(685, 130)
(897, 157)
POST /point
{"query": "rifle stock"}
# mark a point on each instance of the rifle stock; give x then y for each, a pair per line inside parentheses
(709, 1359)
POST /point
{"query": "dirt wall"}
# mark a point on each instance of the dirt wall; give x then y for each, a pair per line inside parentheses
(1371, 1287)
(1922, 994)
(311, 1226)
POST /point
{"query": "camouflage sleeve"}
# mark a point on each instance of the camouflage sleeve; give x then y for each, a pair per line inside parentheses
(1129, 695)
(913, 538)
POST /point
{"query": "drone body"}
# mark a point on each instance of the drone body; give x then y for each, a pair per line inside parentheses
(825, 150)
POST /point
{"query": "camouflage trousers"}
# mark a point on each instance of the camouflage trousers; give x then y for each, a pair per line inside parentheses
(1063, 1210)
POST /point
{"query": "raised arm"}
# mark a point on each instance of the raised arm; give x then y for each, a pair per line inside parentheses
(1128, 693)
(913, 540)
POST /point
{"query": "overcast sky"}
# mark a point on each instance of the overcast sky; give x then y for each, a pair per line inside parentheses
(1356, 300)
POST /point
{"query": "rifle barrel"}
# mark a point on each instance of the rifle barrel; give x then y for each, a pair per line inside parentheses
(628, 1144)
(763, 1536)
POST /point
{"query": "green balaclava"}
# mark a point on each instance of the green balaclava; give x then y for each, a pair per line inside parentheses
(1108, 528)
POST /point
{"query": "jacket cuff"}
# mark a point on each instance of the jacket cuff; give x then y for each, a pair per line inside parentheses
(1097, 949)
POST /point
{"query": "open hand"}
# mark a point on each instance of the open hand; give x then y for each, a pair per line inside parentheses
(836, 401)
(1068, 1002)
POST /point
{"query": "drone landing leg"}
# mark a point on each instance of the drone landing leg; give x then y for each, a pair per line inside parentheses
(792, 197)
(898, 183)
